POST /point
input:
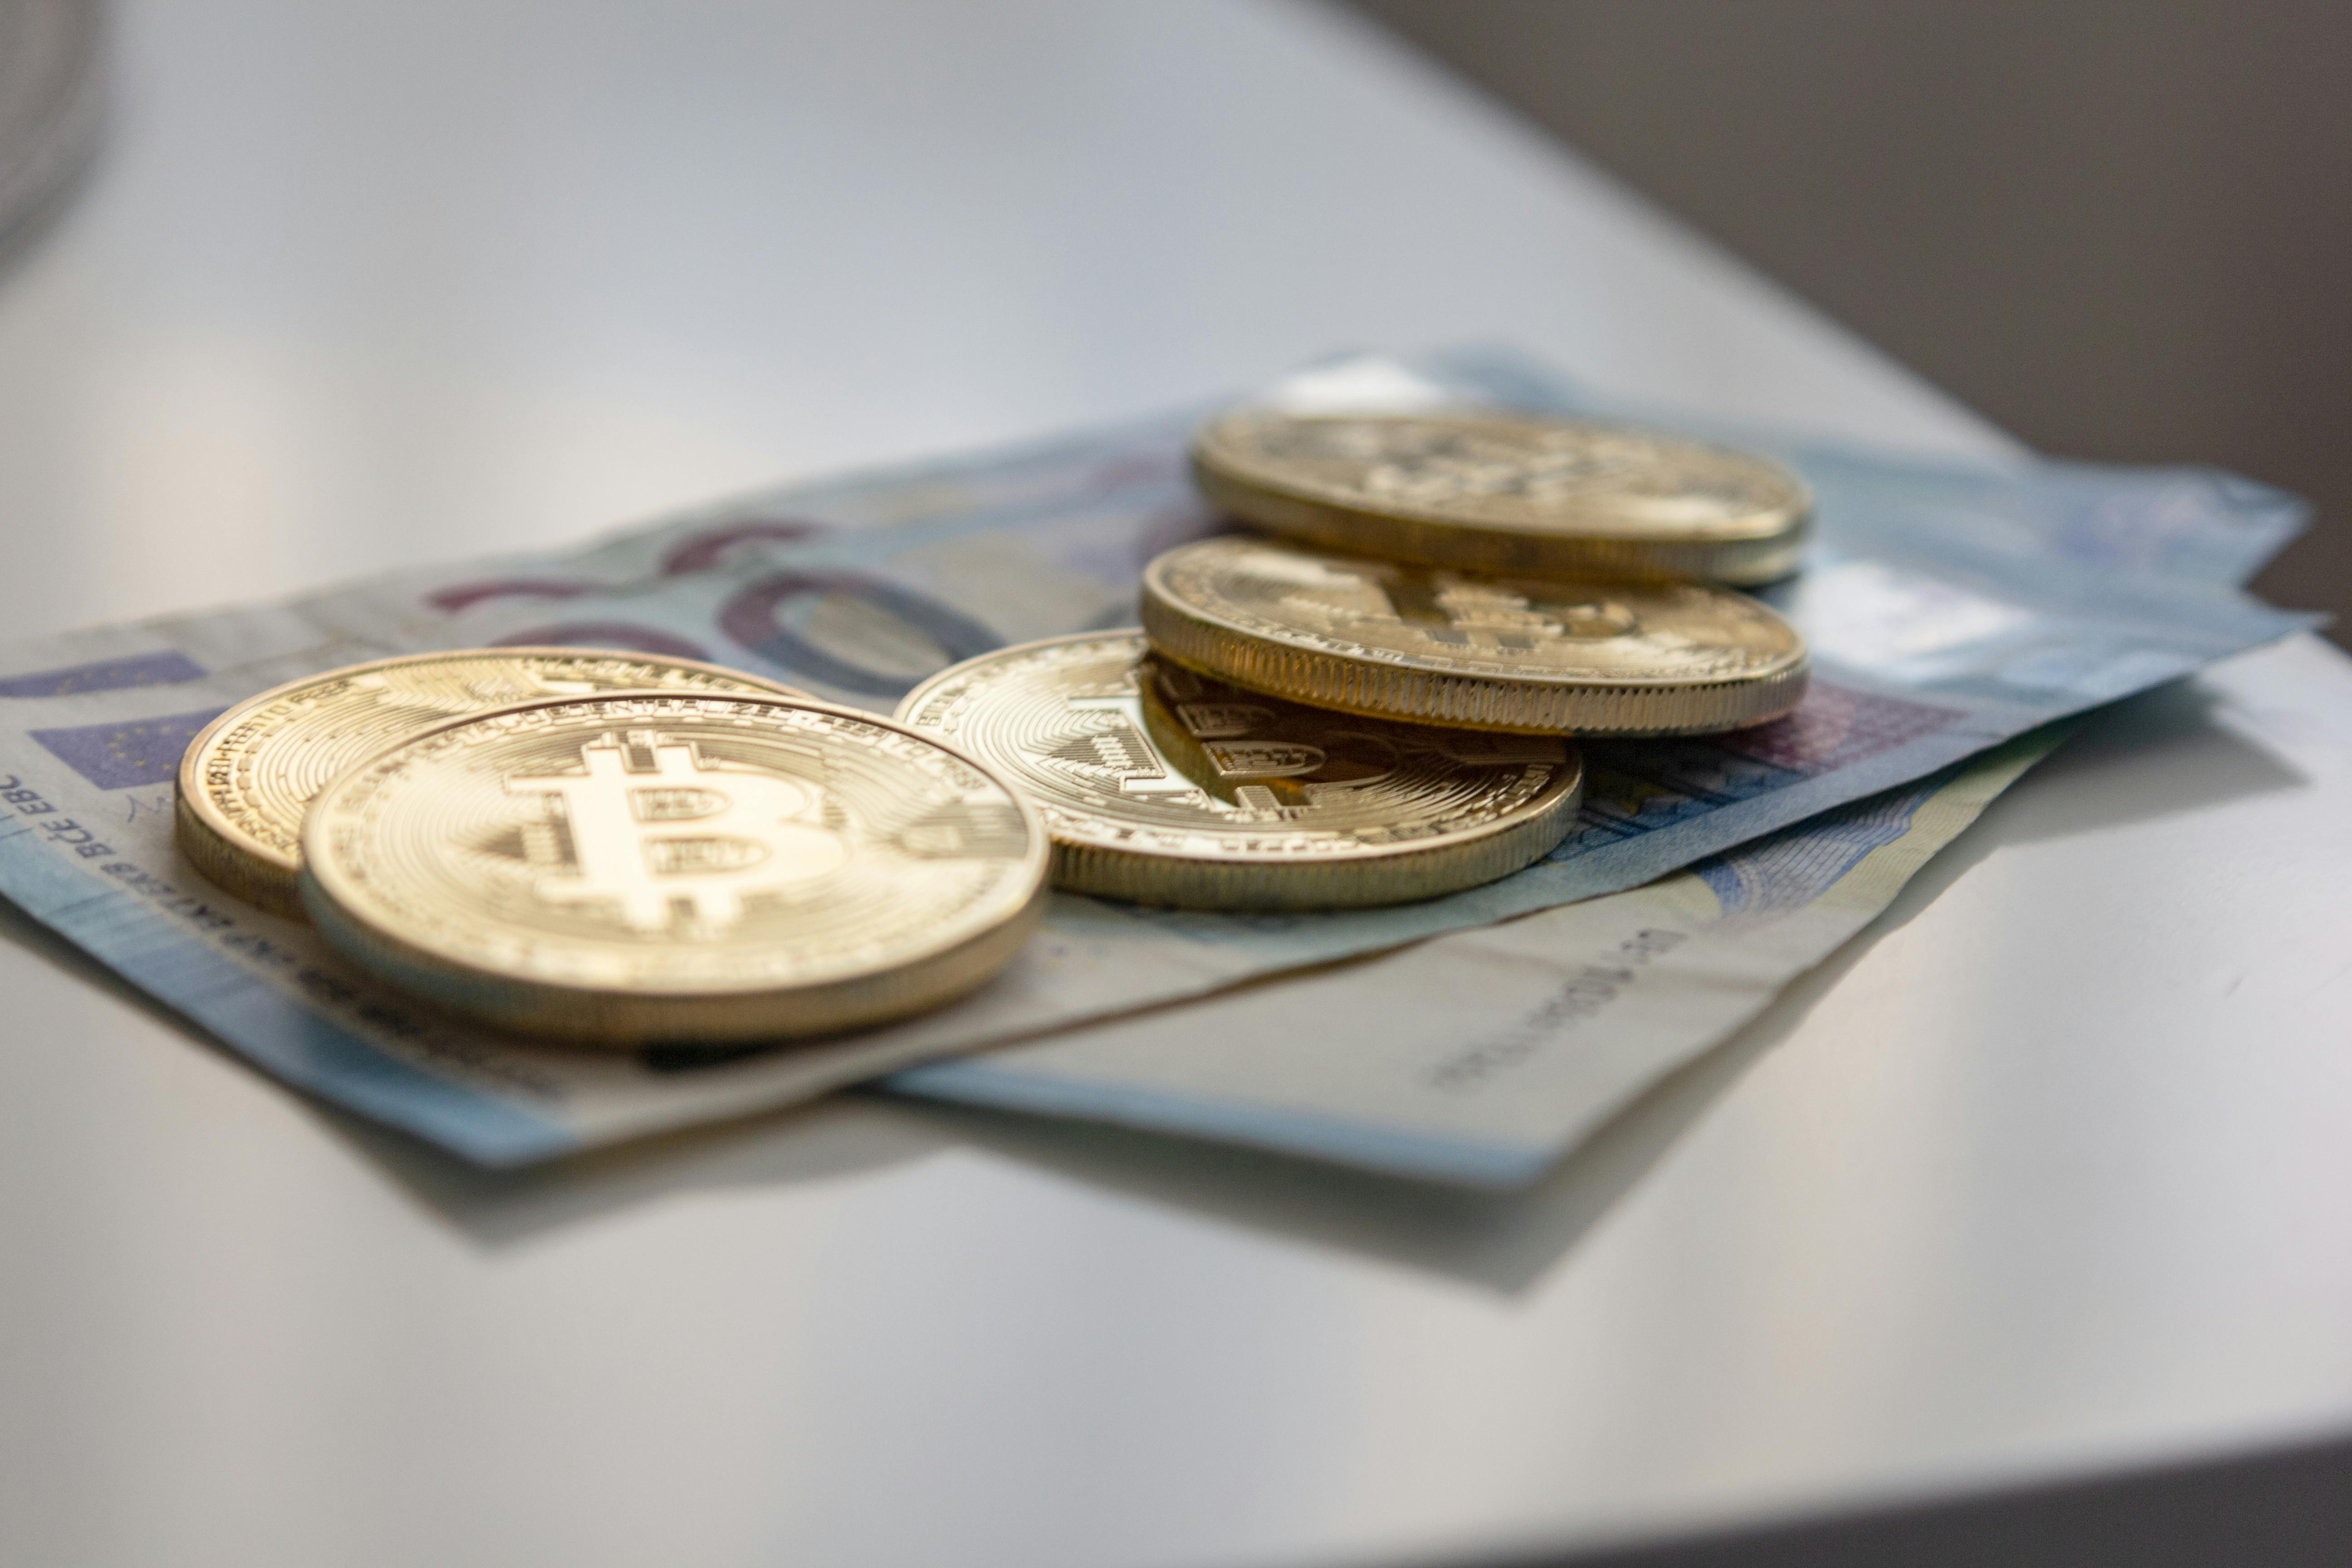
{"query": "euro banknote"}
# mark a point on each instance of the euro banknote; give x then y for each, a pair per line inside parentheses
(1952, 607)
(1483, 1057)
(1486, 1056)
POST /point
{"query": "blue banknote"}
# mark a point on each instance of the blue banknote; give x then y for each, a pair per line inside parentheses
(1484, 1056)
(1950, 607)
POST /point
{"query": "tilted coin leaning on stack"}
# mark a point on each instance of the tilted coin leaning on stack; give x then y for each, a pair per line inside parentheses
(1365, 717)
(1494, 571)
(1525, 654)
(614, 850)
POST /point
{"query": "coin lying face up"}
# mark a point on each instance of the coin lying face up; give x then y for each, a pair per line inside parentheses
(246, 779)
(1490, 653)
(1497, 492)
(624, 869)
(1163, 787)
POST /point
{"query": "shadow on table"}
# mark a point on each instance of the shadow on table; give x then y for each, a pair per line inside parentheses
(2154, 755)
(837, 1139)
(1501, 1241)
(832, 1139)
(1504, 1241)
(2282, 1509)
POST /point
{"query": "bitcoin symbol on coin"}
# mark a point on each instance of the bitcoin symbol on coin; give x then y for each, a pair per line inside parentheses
(1127, 750)
(681, 832)
(1163, 787)
(1143, 766)
(1489, 616)
(626, 869)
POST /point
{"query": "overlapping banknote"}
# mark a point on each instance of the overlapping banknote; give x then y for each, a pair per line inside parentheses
(1950, 608)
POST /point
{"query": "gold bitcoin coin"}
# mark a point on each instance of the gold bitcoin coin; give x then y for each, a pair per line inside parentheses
(1528, 654)
(1161, 787)
(1508, 493)
(625, 869)
(246, 779)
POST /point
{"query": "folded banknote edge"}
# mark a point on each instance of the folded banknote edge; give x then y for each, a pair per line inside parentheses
(211, 991)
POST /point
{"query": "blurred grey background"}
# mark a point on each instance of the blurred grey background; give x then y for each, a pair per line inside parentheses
(52, 95)
(2118, 229)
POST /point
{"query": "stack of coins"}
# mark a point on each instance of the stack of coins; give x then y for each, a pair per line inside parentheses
(1374, 699)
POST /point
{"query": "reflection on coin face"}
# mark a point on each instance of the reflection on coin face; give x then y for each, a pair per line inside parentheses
(622, 870)
(1530, 653)
(1507, 492)
(1162, 786)
(247, 779)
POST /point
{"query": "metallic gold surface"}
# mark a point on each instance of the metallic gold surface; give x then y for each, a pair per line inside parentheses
(1161, 787)
(246, 779)
(1485, 653)
(1508, 493)
(624, 869)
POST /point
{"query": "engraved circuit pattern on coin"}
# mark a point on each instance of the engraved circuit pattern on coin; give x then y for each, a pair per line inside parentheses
(1448, 648)
(246, 778)
(626, 869)
(1498, 492)
(1163, 787)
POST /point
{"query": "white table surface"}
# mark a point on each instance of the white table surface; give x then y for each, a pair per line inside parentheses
(2045, 1174)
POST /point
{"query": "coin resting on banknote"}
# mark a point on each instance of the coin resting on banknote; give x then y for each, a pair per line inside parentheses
(2134, 564)
(246, 779)
(1456, 648)
(1161, 786)
(1505, 492)
(618, 871)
